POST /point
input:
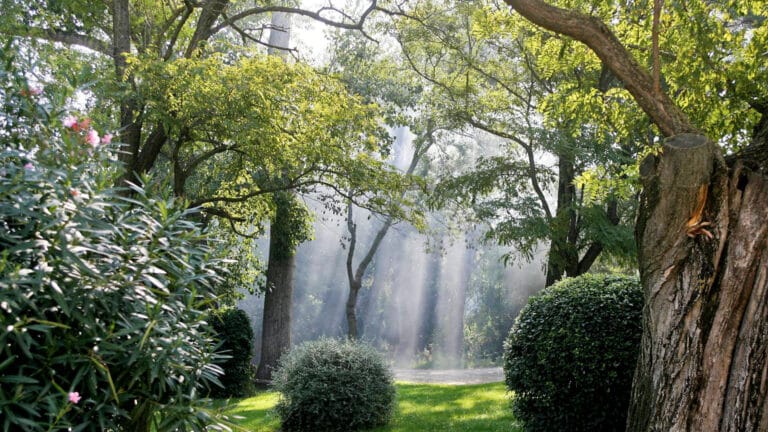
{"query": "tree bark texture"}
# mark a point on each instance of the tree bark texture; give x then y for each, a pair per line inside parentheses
(702, 364)
(276, 324)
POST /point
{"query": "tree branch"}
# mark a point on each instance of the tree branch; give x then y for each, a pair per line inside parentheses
(599, 38)
(315, 15)
(65, 37)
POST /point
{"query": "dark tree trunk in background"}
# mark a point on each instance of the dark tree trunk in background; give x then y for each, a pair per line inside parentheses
(702, 364)
(130, 129)
(562, 256)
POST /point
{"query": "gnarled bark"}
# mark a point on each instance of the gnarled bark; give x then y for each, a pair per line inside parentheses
(702, 365)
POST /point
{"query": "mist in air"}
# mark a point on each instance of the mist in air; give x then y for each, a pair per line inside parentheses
(428, 300)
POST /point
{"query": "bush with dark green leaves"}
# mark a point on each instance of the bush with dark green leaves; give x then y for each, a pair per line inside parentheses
(103, 292)
(571, 354)
(333, 385)
(233, 329)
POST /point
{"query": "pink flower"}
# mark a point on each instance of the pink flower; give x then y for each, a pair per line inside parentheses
(69, 121)
(106, 139)
(32, 91)
(29, 166)
(74, 397)
(92, 138)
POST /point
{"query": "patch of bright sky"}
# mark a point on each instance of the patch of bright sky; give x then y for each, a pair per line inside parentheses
(310, 36)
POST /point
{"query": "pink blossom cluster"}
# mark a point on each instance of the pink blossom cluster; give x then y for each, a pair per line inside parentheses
(32, 91)
(84, 126)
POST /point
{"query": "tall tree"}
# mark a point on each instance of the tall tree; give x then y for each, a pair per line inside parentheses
(288, 228)
(700, 230)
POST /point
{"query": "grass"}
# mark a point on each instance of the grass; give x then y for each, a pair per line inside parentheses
(421, 407)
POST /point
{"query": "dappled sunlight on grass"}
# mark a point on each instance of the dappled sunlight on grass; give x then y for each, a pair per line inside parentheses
(482, 407)
(256, 412)
(421, 407)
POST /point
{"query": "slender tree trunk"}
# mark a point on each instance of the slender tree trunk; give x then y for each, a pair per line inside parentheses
(562, 256)
(354, 290)
(355, 276)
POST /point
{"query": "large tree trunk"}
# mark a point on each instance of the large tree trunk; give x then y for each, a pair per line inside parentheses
(702, 365)
(278, 298)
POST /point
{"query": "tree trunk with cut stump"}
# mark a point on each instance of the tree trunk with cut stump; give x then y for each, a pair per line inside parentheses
(702, 364)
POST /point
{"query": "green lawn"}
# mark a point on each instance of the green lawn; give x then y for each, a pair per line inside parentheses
(421, 407)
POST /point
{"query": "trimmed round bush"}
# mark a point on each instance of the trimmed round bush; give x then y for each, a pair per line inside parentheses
(333, 385)
(233, 330)
(571, 354)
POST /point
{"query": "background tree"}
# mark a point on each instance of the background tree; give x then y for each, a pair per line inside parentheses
(493, 80)
(700, 230)
(375, 73)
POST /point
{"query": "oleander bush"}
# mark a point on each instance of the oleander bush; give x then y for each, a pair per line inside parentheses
(233, 330)
(571, 354)
(333, 385)
(103, 292)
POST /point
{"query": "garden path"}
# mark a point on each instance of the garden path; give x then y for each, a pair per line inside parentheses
(450, 376)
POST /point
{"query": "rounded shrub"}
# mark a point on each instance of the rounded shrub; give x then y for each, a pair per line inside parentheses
(233, 329)
(571, 354)
(332, 385)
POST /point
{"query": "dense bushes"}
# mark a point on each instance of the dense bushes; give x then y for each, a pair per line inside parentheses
(331, 385)
(571, 355)
(233, 329)
(101, 294)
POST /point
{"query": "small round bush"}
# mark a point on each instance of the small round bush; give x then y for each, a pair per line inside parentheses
(332, 385)
(233, 330)
(571, 354)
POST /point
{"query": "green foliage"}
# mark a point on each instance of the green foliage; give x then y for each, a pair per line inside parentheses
(233, 330)
(102, 293)
(291, 225)
(495, 74)
(571, 355)
(492, 303)
(332, 385)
